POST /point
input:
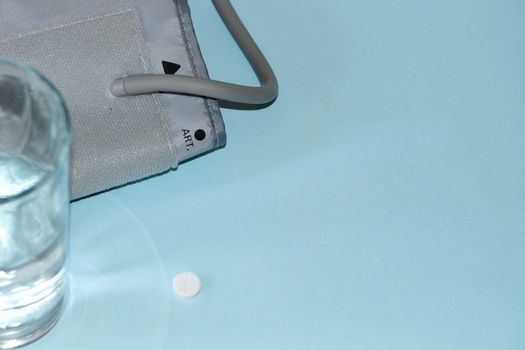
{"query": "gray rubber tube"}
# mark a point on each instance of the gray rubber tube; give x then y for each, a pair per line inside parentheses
(266, 93)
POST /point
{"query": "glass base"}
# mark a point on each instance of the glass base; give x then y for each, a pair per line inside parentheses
(29, 333)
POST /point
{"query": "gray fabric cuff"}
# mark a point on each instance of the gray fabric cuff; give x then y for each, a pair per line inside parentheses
(86, 45)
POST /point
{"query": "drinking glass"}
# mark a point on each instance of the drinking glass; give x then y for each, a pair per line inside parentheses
(35, 138)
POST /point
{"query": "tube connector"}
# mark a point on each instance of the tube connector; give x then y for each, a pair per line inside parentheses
(117, 88)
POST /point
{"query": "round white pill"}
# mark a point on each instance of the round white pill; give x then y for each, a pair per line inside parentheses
(187, 284)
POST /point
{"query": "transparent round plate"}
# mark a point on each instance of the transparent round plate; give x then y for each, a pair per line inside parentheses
(119, 292)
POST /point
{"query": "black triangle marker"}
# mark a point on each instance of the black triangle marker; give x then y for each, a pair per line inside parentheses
(170, 67)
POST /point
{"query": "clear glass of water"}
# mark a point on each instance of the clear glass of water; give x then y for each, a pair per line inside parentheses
(35, 137)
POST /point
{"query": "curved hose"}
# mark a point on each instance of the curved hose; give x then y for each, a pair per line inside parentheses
(266, 93)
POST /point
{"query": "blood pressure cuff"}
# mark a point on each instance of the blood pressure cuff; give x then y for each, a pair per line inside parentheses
(82, 46)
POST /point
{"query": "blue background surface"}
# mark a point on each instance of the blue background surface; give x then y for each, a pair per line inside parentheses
(378, 204)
